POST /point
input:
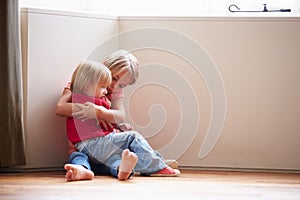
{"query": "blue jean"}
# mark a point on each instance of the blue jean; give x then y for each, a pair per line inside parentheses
(108, 150)
(80, 158)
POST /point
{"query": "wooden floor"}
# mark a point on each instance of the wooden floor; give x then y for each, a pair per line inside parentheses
(190, 185)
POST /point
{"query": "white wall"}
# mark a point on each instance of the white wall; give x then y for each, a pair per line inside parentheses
(166, 7)
(53, 43)
(256, 61)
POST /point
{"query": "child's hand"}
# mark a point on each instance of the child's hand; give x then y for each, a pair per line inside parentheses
(125, 127)
(88, 111)
(105, 125)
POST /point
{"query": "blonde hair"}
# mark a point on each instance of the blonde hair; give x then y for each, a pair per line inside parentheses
(122, 60)
(88, 72)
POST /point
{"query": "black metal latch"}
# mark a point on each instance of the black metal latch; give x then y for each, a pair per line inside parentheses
(237, 9)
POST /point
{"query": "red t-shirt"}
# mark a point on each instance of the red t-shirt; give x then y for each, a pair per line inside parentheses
(78, 130)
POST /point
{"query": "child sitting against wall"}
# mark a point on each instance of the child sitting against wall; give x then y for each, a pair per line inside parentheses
(123, 152)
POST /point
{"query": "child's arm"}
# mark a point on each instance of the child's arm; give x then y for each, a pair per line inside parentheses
(114, 115)
(64, 107)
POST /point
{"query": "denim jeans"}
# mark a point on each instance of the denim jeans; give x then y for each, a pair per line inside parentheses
(80, 158)
(108, 150)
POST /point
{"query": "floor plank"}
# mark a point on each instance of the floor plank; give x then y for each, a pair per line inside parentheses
(190, 185)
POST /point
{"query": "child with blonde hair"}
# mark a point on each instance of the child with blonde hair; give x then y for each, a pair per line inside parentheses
(88, 84)
(122, 152)
(123, 66)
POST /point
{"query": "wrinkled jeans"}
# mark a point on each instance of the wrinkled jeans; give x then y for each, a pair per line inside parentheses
(80, 158)
(108, 150)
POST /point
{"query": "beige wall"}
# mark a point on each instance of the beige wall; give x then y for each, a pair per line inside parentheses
(257, 60)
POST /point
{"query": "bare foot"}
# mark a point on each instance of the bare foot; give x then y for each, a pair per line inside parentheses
(77, 172)
(128, 162)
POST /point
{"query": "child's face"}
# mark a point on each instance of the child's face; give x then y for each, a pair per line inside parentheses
(119, 81)
(96, 90)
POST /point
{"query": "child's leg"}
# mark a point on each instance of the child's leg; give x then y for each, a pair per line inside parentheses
(128, 162)
(121, 166)
(79, 167)
(107, 149)
(102, 150)
(149, 160)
